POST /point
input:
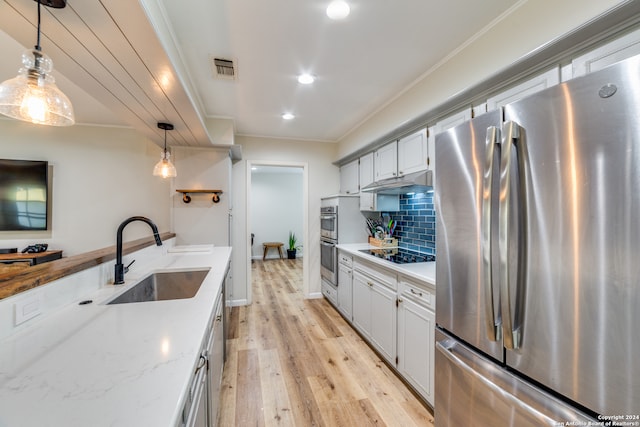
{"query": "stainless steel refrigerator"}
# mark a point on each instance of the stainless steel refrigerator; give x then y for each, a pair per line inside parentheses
(538, 243)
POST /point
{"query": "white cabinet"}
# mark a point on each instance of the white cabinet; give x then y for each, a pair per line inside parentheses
(349, 178)
(386, 161)
(413, 153)
(345, 286)
(362, 303)
(452, 121)
(610, 53)
(383, 320)
(372, 201)
(531, 86)
(215, 363)
(367, 200)
(416, 327)
(395, 314)
(374, 307)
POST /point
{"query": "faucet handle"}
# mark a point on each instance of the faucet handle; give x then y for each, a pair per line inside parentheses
(126, 269)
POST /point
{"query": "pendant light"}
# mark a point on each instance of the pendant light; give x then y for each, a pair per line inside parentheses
(33, 96)
(164, 167)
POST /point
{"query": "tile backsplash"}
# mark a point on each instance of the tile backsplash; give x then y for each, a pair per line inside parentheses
(416, 219)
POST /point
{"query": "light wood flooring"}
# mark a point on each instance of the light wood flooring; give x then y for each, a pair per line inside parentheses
(296, 362)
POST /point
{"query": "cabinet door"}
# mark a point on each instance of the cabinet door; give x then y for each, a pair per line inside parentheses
(362, 303)
(345, 289)
(612, 52)
(349, 178)
(531, 86)
(452, 121)
(416, 346)
(367, 201)
(216, 363)
(197, 416)
(386, 161)
(366, 170)
(413, 153)
(383, 320)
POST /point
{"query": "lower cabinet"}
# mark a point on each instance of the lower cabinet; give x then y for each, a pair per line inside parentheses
(203, 399)
(416, 345)
(215, 364)
(345, 285)
(396, 315)
(374, 308)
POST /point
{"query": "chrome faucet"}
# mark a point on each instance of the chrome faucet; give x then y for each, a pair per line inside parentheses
(120, 269)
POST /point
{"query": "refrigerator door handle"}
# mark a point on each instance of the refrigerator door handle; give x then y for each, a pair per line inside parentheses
(491, 324)
(511, 134)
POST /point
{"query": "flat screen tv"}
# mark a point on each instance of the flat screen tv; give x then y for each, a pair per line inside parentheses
(23, 195)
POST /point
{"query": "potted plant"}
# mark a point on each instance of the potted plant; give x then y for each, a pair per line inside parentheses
(293, 246)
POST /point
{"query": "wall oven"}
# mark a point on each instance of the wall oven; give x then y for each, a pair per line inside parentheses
(329, 261)
(329, 223)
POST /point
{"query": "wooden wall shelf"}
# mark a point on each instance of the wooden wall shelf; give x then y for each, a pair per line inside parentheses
(187, 199)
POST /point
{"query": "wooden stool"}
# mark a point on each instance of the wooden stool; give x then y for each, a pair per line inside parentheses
(269, 245)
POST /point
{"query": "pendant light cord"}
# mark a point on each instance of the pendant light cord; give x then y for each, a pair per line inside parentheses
(165, 142)
(37, 46)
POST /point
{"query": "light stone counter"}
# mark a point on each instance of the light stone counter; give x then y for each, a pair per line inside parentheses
(111, 365)
(421, 271)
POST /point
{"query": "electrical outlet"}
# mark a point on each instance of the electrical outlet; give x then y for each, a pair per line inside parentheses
(28, 308)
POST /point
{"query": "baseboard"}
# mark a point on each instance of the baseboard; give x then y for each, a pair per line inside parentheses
(315, 295)
(259, 257)
(237, 303)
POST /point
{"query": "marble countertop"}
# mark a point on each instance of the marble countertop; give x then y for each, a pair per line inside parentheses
(111, 365)
(422, 271)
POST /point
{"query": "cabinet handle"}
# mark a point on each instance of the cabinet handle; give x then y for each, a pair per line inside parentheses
(218, 318)
(369, 283)
(416, 293)
(400, 300)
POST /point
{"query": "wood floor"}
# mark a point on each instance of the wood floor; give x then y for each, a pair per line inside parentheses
(296, 362)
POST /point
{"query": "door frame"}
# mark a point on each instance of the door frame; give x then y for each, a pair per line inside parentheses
(305, 219)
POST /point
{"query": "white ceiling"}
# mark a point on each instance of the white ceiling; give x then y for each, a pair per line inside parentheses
(361, 63)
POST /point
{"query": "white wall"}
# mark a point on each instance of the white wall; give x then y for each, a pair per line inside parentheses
(530, 25)
(324, 179)
(201, 221)
(276, 208)
(101, 176)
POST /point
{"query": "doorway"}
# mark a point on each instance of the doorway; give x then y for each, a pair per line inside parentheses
(277, 200)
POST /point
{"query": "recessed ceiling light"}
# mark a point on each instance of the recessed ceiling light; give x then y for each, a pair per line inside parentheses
(338, 9)
(288, 116)
(306, 79)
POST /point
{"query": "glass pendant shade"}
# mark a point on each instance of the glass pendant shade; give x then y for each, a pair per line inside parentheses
(164, 167)
(33, 96)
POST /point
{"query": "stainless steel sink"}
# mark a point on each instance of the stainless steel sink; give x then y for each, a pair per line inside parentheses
(168, 285)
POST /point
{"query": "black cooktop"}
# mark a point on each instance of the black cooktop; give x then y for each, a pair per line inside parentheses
(399, 255)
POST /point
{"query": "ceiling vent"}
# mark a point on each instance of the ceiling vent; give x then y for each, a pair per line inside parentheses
(224, 68)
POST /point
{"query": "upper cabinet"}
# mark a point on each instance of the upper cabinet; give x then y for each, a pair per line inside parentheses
(386, 161)
(413, 153)
(531, 86)
(349, 178)
(610, 53)
(372, 201)
(452, 121)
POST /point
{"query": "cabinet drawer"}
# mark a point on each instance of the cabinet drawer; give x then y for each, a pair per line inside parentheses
(378, 274)
(418, 293)
(330, 293)
(344, 258)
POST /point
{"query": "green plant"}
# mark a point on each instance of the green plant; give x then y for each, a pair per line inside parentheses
(292, 241)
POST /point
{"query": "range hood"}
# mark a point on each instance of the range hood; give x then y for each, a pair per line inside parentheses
(417, 182)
